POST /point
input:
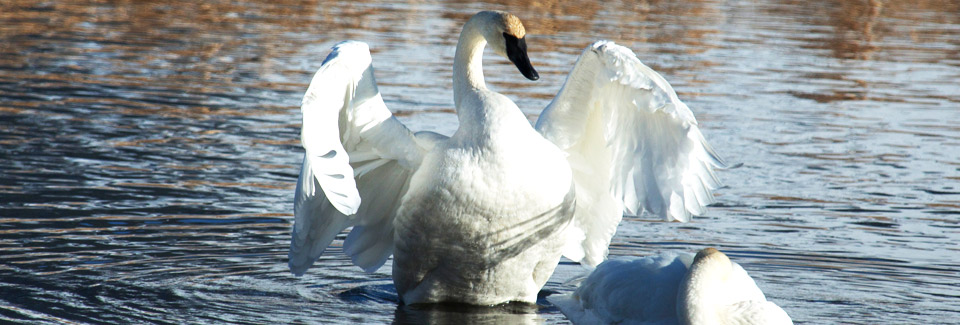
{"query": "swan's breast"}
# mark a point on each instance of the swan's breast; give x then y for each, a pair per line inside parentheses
(486, 190)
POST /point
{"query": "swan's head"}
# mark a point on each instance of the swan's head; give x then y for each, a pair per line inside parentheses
(505, 34)
(711, 259)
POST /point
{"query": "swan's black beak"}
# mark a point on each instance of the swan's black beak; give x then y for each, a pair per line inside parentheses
(517, 53)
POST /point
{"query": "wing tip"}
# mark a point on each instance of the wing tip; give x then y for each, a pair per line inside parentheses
(351, 46)
(715, 158)
(351, 50)
(347, 208)
(608, 47)
(682, 217)
(297, 272)
(297, 264)
(601, 44)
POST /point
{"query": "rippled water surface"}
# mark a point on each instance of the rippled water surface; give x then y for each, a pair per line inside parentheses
(149, 150)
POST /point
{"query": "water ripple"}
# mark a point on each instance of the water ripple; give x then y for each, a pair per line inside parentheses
(148, 150)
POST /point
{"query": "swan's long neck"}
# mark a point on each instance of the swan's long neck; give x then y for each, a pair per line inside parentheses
(483, 114)
(468, 66)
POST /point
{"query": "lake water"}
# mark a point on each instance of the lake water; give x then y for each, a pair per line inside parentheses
(149, 150)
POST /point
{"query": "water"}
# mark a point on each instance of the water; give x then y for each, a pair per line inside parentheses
(148, 151)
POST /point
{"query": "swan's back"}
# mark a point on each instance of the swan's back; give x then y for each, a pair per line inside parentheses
(634, 291)
(670, 289)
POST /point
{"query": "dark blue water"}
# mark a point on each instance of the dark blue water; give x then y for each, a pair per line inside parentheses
(148, 151)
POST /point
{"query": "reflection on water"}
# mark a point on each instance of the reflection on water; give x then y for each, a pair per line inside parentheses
(148, 150)
(512, 313)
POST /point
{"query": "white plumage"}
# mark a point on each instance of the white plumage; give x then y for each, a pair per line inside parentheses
(632, 144)
(483, 216)
(670, 289)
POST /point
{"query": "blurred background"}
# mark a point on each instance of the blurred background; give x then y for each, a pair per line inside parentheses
(149, 150)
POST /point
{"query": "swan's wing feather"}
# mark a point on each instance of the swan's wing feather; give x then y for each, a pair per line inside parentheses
(354, 148)
(370, 242)
(750, 304)
(312, 234)
(643, 289)
(758, 312)
(741, 285)
(329, 93)
(569, 305)
(632, 144)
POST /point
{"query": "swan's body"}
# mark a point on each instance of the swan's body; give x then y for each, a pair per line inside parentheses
(670, 289)
(482, 217)
(461, 241)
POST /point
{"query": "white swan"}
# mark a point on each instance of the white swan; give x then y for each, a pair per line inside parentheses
(482, 217)
(670, 289)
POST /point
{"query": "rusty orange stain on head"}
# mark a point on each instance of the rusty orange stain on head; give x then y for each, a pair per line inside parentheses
(512, 25)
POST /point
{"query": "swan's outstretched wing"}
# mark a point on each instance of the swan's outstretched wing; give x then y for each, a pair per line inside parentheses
(355, 149)
(632, 144)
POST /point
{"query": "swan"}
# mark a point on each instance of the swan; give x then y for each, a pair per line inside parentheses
(483, 216)
(670, 289)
